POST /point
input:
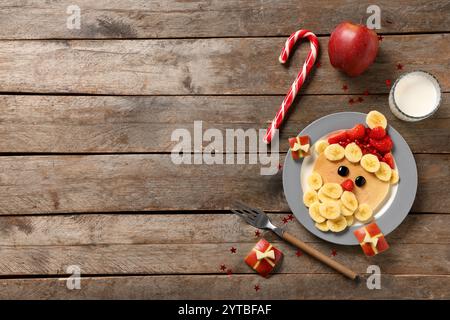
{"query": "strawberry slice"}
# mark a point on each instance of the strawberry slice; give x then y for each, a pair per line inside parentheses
(389, 159)
(384, 145)
(357, 132)
(338, 136)
(377, 133)
(347, 185)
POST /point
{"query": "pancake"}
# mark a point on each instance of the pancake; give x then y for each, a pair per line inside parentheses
(373, 192)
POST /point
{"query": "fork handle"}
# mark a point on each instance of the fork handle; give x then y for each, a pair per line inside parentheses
(319, 256)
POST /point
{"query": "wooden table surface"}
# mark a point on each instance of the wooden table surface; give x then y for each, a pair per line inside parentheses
(86, 117)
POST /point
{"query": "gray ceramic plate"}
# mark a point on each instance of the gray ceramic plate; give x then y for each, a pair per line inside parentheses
(394, 210)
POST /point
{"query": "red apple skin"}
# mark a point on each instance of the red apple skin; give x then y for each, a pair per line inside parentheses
(352, 48)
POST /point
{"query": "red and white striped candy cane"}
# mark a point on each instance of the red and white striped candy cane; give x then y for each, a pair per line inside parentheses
(297, 84)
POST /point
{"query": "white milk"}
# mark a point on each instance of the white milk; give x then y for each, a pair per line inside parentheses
(416, 95)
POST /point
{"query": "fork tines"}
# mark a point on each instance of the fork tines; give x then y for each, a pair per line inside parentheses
(244, 211)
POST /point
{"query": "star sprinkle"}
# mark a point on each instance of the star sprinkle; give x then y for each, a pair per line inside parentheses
(285, 220)
(399, 66)
(351, 101)
(233, 250)
(298, 253)
(290, 217)
(223, 267)
(345, 87)
(360, 99)
(366, 92)
(318, 64)
(257, 233)
(388, 82)
(257, 287)
(380, 38)
(334, 252)
(229, 272)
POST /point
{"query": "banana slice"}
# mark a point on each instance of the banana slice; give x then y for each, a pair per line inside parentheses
(346, 212)
(349, 200)
(394, 177)
(337, 225)
(322, 226)
(315, 214)
(320, 146)
(350, 220)
(376, 119)
(309, 197)
(363, 213)
(384, 173)
(315, 181)
(353, 152)
(334, 152)
(329, 210)
(326, 199)
(332, 190)
(370, 163)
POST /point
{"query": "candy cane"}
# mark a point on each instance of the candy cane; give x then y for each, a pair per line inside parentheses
(297, 84)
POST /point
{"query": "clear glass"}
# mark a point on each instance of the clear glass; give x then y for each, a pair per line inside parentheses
(395, 104)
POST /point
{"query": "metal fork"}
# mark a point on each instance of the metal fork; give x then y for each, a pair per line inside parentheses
(259, 219)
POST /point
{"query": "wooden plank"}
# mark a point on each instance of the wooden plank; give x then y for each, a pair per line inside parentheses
(85, 124)
(207, 259)
(111, 183)
(204, 66)
(197, 228)
(171, 18)
(292, 286)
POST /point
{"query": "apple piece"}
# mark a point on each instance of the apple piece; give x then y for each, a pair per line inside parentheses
(352, 48)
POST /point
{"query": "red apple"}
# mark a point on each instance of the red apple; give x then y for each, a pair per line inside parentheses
(352, 48)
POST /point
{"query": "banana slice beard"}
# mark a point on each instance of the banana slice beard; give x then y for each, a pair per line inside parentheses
(350, 220)
(322, 226)
(315, 214)
(370, 163)
(334, 152)
(337, 225)
(376, 119)
(346, 212)
(309, 197)
(332, 190)
(364, 213)
(320, 146)
(349, 200)
(394, 178)
(384, 173)
(353, 152)
(315, 181)
(326, 199)
(329, 210)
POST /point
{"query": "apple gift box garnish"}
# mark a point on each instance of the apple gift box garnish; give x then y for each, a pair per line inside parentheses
(352, 48)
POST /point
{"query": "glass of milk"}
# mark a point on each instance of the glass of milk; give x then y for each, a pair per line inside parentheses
(415, 96)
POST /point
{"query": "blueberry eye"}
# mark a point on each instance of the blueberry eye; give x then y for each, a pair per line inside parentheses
(360, 181)
(343, 171)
